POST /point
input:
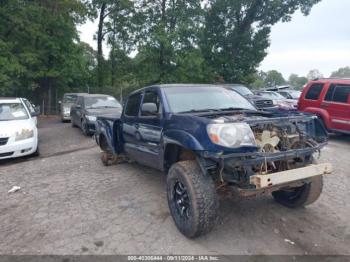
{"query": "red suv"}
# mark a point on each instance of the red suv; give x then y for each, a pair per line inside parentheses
(329, 99)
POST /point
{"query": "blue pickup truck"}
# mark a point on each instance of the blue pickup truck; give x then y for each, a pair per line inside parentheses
(210, 140)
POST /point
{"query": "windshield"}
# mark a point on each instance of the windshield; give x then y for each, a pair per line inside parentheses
(243, 90)
(101, 102)
(272, 95)
(12, 111)
(202, 98)
(69, 98)
(295, 94)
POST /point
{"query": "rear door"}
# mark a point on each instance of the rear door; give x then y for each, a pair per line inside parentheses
(312, 96)
(337, 104)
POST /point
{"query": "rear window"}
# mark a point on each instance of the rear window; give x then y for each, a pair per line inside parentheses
(314, 92)
(133, 105)
(341, 94)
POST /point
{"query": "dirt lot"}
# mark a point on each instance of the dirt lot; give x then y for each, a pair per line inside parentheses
(71, 204)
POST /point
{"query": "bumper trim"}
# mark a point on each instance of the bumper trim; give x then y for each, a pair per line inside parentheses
(289, 176)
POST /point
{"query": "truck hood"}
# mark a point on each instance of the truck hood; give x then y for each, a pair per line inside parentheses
(104, 112)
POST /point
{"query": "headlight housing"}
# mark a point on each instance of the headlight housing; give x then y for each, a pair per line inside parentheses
(231, 135)
(91, 118)
(24, 134)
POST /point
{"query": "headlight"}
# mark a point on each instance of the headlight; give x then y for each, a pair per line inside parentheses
(91, 118)
(231, 135)
(24, 134)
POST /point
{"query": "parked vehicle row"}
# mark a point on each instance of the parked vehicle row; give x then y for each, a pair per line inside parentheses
(18, 128)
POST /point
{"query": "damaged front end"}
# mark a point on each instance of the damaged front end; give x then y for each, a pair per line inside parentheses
(283, 156)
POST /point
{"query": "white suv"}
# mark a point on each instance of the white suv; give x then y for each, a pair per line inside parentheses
(18, 130)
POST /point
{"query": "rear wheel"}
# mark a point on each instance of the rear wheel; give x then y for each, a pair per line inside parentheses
(300, 196)
(192, 199)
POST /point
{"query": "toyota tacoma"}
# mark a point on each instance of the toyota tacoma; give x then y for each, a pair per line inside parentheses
(209, 140)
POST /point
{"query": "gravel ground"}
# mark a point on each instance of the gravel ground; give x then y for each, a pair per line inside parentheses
(71, 204)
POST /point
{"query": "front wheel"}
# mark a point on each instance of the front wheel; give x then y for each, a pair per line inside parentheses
(192, 199)
(85, 128)
(300, 196)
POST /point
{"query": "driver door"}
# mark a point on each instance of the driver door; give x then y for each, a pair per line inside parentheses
(150, 128)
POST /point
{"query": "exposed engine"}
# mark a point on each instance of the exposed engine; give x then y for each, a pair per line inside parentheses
(272, 138)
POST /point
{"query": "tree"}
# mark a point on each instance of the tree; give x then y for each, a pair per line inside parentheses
(296, 81)
(274, 78)
(313, 74)
(167, 37)
(236, 33)
(40, 47)
(343, 72)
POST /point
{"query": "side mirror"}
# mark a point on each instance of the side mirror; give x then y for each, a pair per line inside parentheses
(34, 114)
(149, 109)
(37, 109)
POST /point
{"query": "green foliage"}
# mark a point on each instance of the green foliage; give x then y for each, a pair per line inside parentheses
(313, 74)
(274, 78)
(297, 82)
(209, 41)
(236, 33)
(41, 51)
(343, 72)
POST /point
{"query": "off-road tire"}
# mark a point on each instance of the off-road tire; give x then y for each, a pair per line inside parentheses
(305, 195)
(203, 199)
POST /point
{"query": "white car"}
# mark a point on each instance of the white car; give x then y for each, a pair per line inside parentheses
(18, 130)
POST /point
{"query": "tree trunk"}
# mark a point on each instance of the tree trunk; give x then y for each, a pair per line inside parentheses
(100, 35)
(161, 44)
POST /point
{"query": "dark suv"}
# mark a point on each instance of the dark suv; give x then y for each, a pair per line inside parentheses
(329, 99)
(260, 102)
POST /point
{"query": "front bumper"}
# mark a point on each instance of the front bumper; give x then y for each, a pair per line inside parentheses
(241, 168)
(290, 176)
(20, 148)
(66, 117)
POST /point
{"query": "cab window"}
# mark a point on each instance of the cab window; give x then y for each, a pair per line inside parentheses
(314, 92)
(133, 105)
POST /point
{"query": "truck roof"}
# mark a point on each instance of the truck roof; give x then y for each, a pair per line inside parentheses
(333, 80)
(176, 85)
(92, 95)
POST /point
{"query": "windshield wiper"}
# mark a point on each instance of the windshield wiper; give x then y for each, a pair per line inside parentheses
(199, 110)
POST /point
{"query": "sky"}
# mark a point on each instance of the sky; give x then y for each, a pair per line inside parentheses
(320, 40)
